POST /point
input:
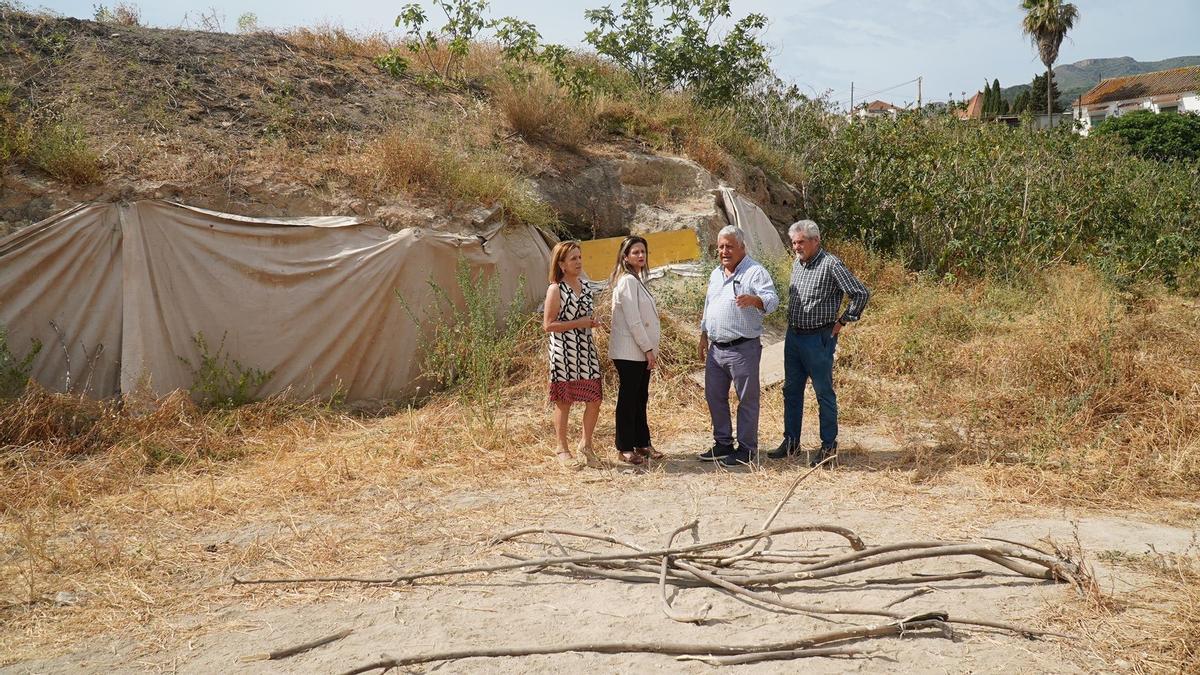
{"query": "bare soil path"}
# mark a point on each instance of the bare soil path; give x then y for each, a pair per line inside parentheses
(524, 609)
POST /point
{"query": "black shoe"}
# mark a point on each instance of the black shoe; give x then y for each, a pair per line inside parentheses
(824, 453)
(786, 449)
(716, 452)
(738, 459)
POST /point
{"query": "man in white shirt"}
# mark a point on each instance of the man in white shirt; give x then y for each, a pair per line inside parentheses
(740, 293)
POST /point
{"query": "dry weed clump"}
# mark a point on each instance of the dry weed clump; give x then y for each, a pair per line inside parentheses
(541, 112)
(433, 163)
(1064, 382)
(335, 41)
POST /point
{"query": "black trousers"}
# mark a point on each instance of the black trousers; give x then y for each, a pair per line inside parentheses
(632, 429)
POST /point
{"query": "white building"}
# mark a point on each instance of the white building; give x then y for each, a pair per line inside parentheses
(1165, 91)
(877, 109)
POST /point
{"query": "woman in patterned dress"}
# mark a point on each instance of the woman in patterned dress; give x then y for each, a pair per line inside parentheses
(569, 318)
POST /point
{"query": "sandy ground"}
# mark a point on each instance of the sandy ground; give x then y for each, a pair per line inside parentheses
(519, 608)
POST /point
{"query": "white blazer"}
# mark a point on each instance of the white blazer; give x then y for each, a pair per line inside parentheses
(635, 328)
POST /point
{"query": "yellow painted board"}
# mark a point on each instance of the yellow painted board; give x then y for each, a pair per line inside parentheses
(599, 255)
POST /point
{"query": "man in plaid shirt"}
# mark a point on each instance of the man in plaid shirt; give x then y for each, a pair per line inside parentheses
(819, 283)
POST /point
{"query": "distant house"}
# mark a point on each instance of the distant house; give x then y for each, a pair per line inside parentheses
(877, 109)
(974, 110)
(1165, 91)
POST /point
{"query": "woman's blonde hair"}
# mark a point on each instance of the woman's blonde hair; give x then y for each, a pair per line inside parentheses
(561, 250)
(622, 267)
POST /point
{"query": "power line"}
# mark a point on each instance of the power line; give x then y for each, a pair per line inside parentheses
(880, 91)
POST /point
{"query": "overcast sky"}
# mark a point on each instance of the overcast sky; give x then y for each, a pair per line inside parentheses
(821, 45)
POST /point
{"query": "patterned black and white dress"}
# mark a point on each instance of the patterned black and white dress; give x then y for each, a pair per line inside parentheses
(574, 362)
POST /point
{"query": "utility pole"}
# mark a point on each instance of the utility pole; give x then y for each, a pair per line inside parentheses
(919, 78)
(852, 98)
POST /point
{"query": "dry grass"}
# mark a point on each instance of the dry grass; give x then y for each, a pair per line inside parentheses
(59, 451)
(335, 41)
(542, 113)
(429, 161)
(1064, 386)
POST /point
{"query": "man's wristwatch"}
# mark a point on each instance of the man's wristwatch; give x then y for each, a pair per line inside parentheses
(841, 322)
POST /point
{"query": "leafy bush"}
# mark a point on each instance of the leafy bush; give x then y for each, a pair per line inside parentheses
(667, 44)
(971, 199)
(464, 19)
(14, 371)
(472, 346)
(221, 382)
(392, 63)
(53, 145)
(1163, 137)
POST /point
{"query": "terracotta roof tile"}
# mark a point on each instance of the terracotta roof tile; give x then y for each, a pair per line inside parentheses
(1175, 81)
(880, 106)
(974, 109)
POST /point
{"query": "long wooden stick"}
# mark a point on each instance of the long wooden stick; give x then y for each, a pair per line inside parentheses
(774, 513)
(543, 562)
(298, 649)
(673, 649)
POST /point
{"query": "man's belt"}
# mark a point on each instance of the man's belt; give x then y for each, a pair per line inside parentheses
(731, 343)
(812, 331)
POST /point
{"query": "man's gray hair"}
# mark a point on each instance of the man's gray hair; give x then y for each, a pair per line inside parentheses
(733, 231)
(807, 228)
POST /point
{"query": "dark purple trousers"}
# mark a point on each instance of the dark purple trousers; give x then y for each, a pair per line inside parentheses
(736, 365)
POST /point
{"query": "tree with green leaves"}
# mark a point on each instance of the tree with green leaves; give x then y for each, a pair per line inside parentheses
(1037, 94)
(1021, 103)
(1163, 136)
(1046, 23)
(464, 19)
(987, 100)
(669, 44)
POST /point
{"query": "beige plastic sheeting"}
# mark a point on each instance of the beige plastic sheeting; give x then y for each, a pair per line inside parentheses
(312, 300)
(762, 239)
(66, 270)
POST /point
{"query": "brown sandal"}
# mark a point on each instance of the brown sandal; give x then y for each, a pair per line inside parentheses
(649, 452)
(632, 457)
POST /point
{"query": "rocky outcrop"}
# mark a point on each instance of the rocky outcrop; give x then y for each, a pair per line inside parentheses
(608, 196)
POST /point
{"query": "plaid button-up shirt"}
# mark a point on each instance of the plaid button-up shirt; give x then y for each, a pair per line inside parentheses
(723, 320)
(817, 288)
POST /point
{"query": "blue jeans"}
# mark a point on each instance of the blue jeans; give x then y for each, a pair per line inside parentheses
(809, 357)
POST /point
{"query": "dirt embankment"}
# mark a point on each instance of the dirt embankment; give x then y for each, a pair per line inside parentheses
(265, 124)
(218, 120)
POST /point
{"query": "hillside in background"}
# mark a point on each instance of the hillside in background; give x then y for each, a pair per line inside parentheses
(308, 122)
(1074, 79)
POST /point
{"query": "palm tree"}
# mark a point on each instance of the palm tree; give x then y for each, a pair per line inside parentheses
(1046, 23)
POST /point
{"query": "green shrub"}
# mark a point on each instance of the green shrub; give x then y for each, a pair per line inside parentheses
(14, 371)
(221, 382)
(1156, 136)
(983, 199)
(469, 350)
(61, 150)
(392, 63)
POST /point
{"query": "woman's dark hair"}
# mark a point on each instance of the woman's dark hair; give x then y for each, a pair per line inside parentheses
(622, 267)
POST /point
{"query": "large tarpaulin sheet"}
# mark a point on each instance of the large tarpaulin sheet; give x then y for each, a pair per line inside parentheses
(762, 239)
(313, 301)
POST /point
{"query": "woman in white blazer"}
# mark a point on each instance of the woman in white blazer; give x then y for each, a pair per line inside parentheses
(633, 347)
